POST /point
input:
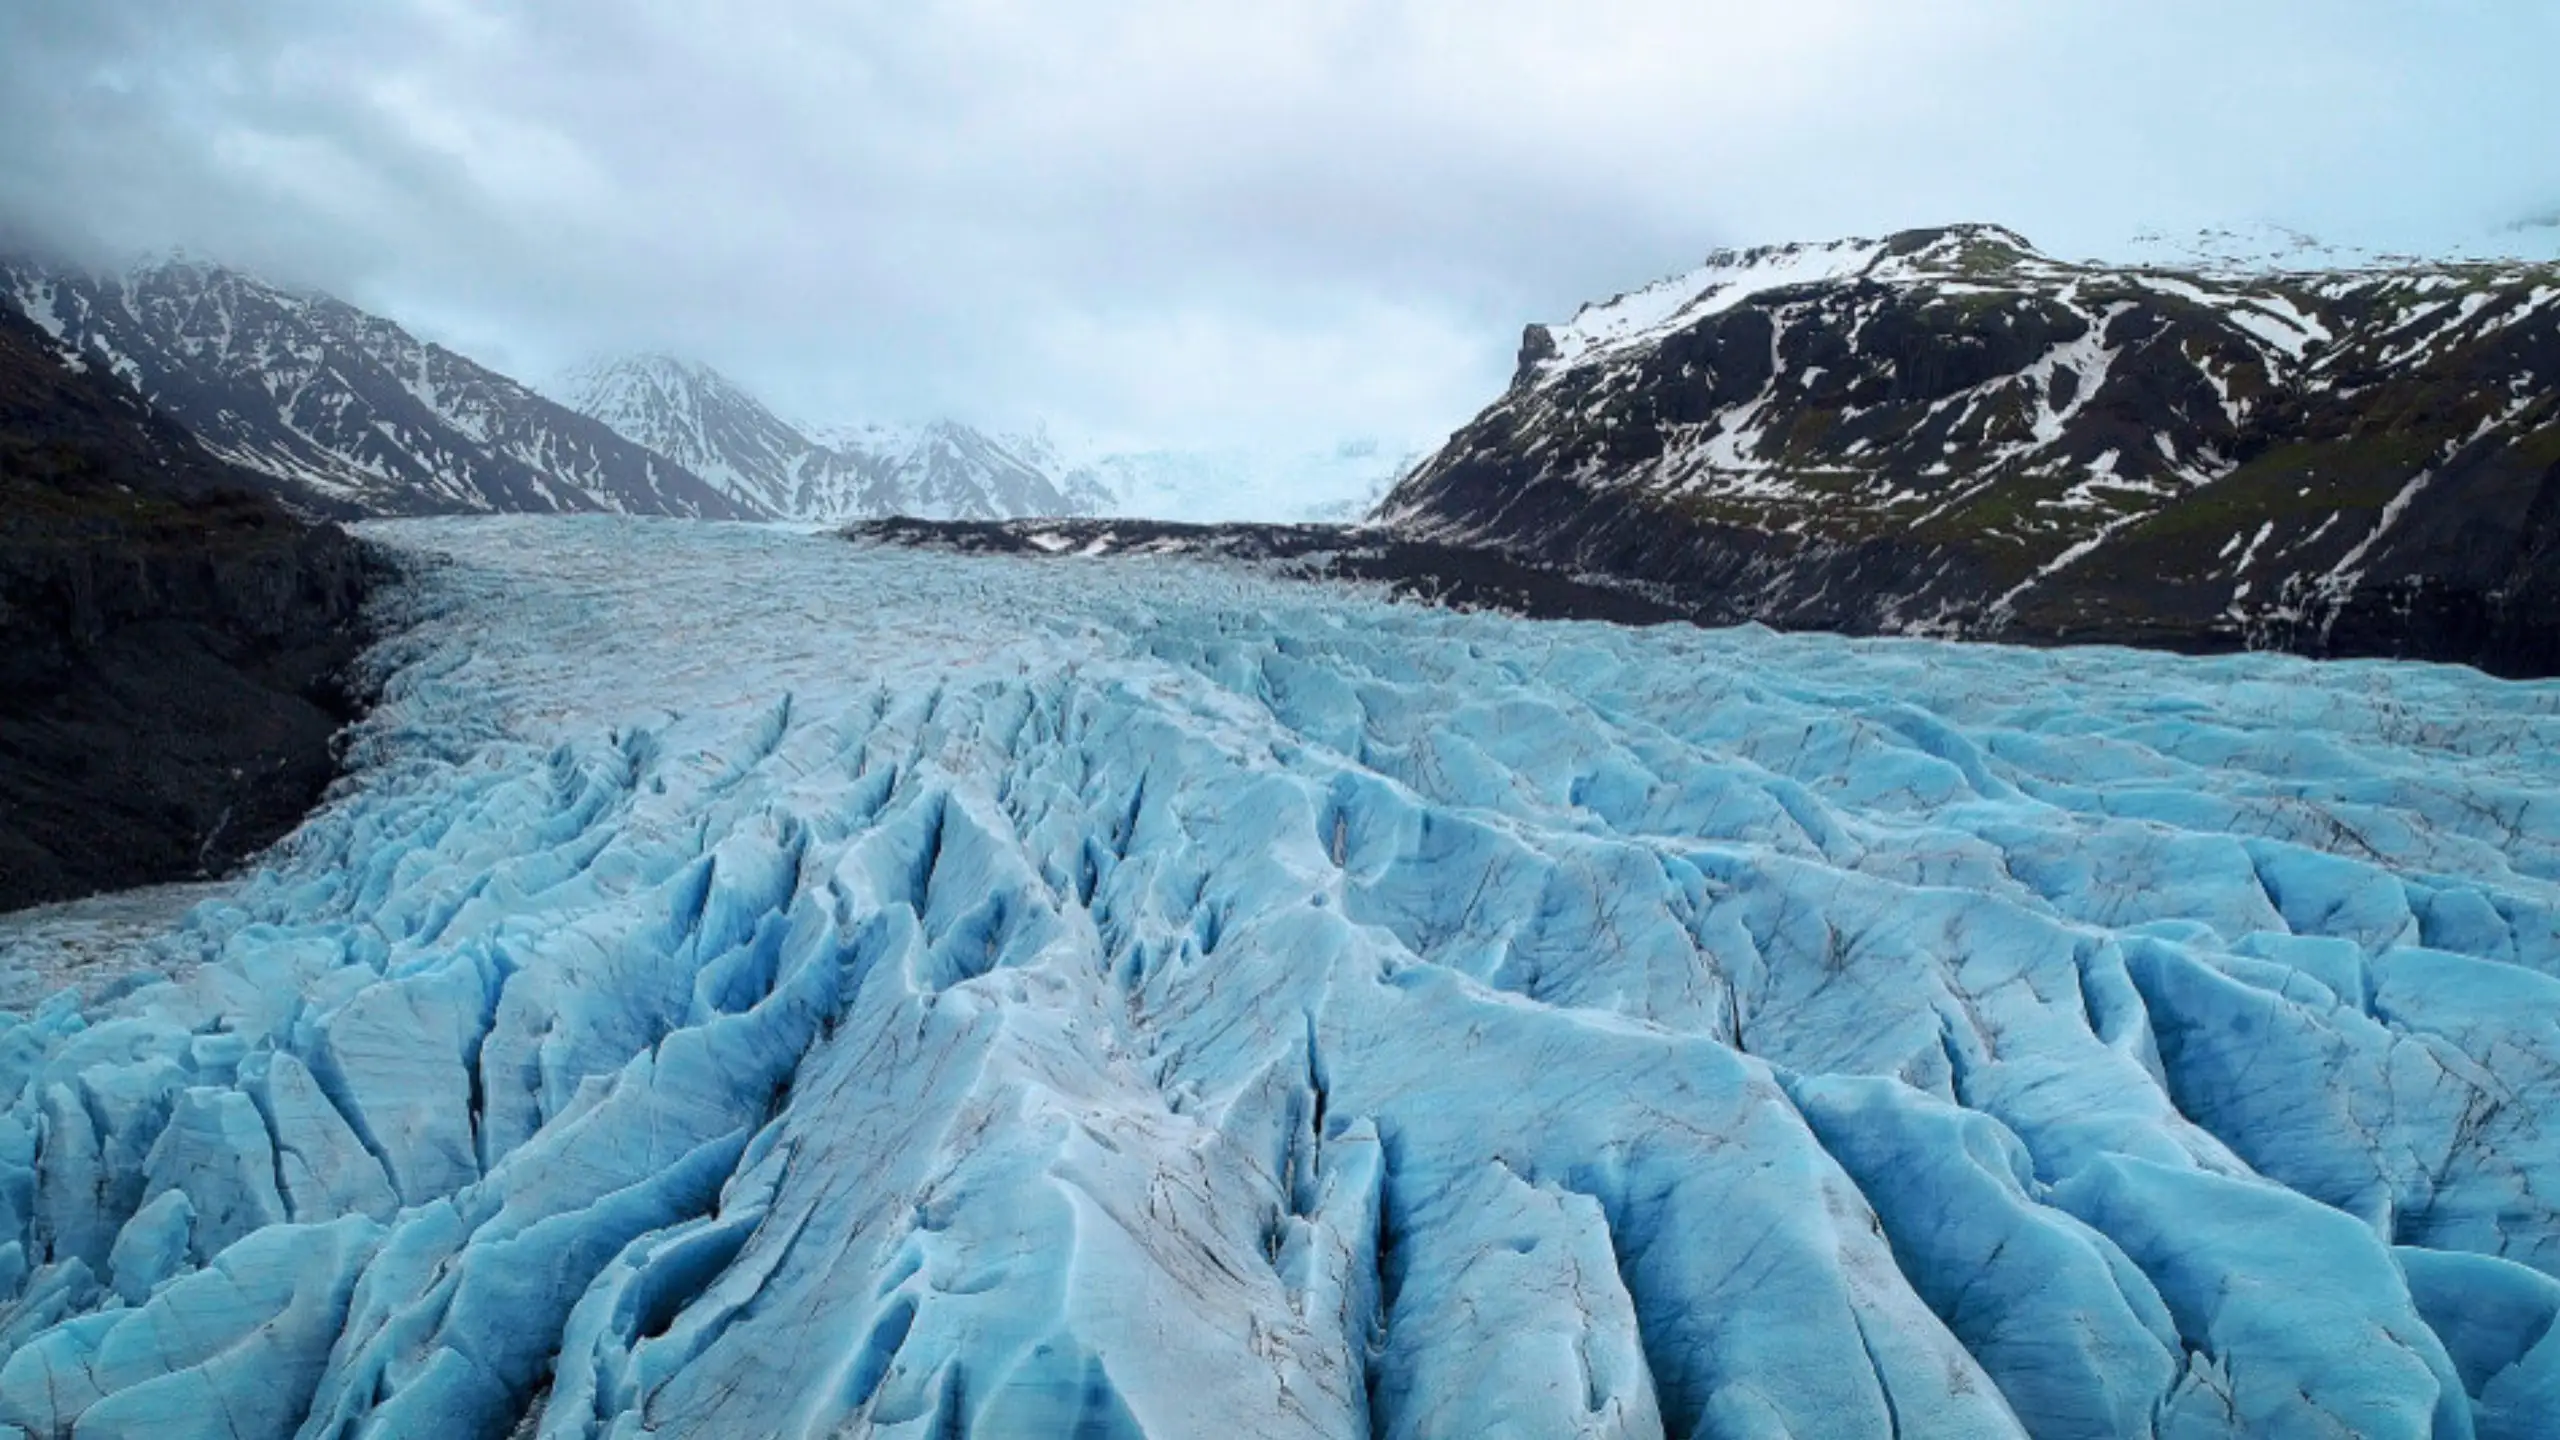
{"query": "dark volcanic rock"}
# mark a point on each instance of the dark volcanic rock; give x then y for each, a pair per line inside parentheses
(1947, 433)
(172, 641)
(1463, 577)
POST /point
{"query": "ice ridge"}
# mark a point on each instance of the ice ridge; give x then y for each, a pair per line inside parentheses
(760, 985)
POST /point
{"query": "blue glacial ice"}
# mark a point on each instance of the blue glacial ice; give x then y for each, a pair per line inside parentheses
(756, 985)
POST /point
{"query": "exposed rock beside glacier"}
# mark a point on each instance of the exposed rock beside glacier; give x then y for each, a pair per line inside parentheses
(1946, 432)
(171, 641)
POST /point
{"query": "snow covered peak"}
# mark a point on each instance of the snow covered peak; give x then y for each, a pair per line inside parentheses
(1726, 279)
(344, 406)
(818, 473)
(948, 469)
(627, 379)
(1729, 277)
(180, 271)
(650, 385)
(220, 310)
(697, 417)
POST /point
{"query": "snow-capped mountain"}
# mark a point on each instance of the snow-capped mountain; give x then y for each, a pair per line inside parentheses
(698, 418)
(948, 470)
(348, 407)
(354, 415)
(701, 418)
(1945, 431)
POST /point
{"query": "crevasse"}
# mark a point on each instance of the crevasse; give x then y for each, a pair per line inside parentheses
(758, 985)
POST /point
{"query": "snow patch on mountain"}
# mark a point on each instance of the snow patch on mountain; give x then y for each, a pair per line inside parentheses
(1726, 279)
(2268, 248)
(1950, 430)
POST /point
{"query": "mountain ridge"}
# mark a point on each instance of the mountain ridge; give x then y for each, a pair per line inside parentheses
(941, 470)
(352, 415)
(347, 408)
(1946, 432)
(950, 470)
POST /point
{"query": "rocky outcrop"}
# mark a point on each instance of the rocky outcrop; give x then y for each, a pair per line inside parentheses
(172, 641)
(1947, 433)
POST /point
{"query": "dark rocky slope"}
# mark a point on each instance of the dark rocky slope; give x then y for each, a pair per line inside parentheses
(1460, 576)
(171, 641)
(1948, 433)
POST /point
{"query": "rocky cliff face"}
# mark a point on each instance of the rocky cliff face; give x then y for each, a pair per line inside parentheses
(1945, 432)
(172, 641)
(351, 413)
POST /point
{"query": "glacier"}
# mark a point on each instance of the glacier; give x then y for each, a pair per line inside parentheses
(754, 984)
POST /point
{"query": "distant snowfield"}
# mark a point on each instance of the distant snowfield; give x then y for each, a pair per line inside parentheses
(755, 985)
(1334, 485)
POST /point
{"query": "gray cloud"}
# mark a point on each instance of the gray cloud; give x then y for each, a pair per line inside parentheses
(1204, 219)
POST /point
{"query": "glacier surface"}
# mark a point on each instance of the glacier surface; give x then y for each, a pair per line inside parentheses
(755, 985)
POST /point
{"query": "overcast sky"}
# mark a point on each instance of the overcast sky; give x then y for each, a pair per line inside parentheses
(1204, 221)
